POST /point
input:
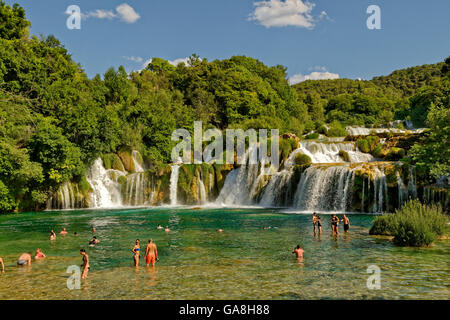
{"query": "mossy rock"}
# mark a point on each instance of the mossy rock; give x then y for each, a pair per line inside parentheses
(395, 154)
(344, 155)
(112, 161)
(126, 156)
(379, 152)
(302, 159)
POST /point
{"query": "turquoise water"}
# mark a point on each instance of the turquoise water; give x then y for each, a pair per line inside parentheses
(197, 262)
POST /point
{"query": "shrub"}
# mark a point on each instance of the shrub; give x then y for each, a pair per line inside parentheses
(395, 154)
(415, 224)
(336, 130)
(363, 145)
(323, 130)
(302, 159)
(368, 144)
(383, 225)
(314, 135)
(378, 151)
(344, 155)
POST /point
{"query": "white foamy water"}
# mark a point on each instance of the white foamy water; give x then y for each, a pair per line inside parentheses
(174, 184)
(106, 191)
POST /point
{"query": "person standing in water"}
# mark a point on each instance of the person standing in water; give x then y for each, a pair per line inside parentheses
(151, 253)
(319, 224)
(298, 252)
(136, 250)
(2, 264)
(85, 264)
(167, 229)
(334, 224)
(63, 232)
(24, 259)
(52, 235)
(346, 221)
(314, 221)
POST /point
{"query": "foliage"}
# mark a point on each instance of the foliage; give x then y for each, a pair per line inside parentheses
(432, 155)
(336, 130)
(302, 159)
(314, 135)
(415, 224)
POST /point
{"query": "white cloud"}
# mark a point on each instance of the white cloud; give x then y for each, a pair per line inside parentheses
(134, 59)
(172, 62)
(127, 13)
(278, 13)
(178, 61)
(123, 12)
(315, 75)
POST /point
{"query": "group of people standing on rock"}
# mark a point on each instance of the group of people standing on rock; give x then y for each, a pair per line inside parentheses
(317, 223)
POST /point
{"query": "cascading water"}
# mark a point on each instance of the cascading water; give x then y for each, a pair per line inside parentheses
(67, 197)
(240, 182)
(326, 188)
(105, 188)
(201, 191)
(329, 152)
(174, 184)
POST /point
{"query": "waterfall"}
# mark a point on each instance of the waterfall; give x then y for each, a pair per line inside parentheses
(406, 192)
(135, 189)
(240, 182)
(106, 191)
(201, 190)
(362, 196)
(320, 152)
(274, 193)
(137, 166)
(211, 182)
(65, 198)
(174, 184)
(362, 131)
(325, 188)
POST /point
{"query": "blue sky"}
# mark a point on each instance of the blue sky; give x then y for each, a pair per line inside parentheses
(313, 39)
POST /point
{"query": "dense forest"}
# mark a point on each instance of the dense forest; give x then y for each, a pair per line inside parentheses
(55, 121)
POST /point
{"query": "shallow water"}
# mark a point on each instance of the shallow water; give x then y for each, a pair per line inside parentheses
(197, 262)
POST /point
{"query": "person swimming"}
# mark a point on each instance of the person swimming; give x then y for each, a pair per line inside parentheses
(39, 254)
(86, 267)
(219, 230)
(136, 250)
(167, 229)
(94, 241)
(52, 235)
(63, 232)
(24, 259)
(159, 227)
